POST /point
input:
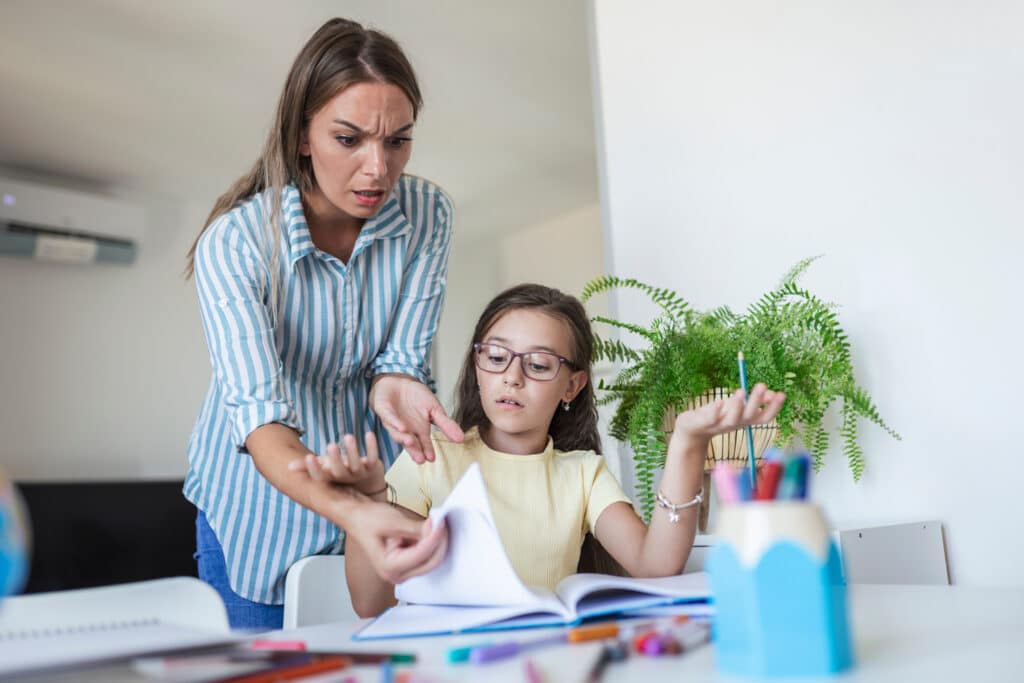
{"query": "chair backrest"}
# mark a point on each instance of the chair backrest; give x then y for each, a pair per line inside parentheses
(900, 553)
(315, 592)
(182, 601)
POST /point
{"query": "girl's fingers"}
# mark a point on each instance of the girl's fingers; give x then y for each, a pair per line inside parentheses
(438, 557)
(755, 404)
(430, 549)
(733, 411)
(372, 454)
(333, 462)
(313, 468)
(352, 460)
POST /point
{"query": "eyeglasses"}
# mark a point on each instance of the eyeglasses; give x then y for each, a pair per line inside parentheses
(539, 365)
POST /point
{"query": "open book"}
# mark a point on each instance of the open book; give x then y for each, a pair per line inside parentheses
(476, 589)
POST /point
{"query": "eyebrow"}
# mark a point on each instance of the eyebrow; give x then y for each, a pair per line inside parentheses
(532, 348)
(404, 129)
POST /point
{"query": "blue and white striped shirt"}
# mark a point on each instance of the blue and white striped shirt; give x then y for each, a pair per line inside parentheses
(339, 325)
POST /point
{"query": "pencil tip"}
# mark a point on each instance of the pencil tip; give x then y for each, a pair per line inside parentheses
(740, 355)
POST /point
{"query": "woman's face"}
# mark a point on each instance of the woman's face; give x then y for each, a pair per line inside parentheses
(359, 143)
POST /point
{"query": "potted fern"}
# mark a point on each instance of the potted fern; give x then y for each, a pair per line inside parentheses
(791, 340)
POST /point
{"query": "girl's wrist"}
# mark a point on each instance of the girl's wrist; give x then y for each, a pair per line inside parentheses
(688, 448)
(385, 494)
(375, 487)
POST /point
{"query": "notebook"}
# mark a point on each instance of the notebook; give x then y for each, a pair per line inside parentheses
(476, 589)
(35, 650)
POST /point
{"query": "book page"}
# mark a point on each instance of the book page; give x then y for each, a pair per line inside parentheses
(426, 620)
(629, 593)
(476, 570)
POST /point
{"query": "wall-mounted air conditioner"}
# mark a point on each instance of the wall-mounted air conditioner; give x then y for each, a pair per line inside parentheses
(52, 224)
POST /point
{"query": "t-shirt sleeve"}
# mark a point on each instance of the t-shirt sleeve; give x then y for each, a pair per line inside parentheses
(407, 479)
(604, 490)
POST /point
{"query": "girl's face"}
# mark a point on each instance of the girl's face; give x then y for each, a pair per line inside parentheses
(518, 406)
(359, 143)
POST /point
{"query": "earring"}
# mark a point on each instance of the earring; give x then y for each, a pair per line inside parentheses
(565, 406)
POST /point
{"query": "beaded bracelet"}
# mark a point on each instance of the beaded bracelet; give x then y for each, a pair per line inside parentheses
(674, 508)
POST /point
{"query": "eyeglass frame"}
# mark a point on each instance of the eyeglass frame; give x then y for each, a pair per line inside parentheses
(522, 363)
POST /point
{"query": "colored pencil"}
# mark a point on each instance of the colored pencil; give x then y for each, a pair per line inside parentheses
(750, 432)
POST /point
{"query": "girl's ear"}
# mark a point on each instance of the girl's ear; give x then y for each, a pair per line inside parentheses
(304, 142)
(577, 381)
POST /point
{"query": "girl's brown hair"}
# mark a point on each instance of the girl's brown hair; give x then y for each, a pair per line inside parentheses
(341, 53)
(572, 430)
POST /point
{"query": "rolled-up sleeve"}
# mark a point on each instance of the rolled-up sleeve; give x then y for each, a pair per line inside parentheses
(419, 306)
(231, 281)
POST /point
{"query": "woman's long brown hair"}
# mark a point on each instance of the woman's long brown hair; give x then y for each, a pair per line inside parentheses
(572, 430)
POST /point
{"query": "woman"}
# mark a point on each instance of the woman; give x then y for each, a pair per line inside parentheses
(320, 277)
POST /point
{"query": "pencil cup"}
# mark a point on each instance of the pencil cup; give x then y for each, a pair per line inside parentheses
(779, 594)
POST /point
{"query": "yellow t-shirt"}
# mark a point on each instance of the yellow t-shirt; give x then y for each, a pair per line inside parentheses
(543, 504)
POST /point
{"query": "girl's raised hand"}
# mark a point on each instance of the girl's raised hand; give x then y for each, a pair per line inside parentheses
(343, 464)
(730, 414)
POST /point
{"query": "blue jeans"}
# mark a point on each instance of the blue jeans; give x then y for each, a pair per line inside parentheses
(242, 613)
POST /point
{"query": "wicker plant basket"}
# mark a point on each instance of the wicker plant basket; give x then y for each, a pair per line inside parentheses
(730, 448)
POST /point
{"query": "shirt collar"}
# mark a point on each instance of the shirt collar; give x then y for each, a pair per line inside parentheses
(388, 223)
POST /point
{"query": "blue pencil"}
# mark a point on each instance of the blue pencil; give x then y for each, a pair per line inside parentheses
(750, 431)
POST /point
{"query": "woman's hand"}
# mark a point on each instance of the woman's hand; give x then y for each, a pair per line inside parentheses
(398, 544)
(407, 407)
(727, 415)
(346, 466)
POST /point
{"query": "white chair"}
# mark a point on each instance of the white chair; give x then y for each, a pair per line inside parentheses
(315, 592)
(182, 601)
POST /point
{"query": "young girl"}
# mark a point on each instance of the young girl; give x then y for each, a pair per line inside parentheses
(526, 403)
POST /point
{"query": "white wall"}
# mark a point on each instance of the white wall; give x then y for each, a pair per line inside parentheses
(565, 252)
(741, 136)
(473, 279)
(103, 367)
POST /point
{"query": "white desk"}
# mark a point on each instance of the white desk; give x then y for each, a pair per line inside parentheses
(903, 634)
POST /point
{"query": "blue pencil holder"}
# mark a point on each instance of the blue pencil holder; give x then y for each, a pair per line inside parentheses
(779, 593)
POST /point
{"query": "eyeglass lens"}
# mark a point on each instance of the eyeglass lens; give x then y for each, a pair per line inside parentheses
(539, 365)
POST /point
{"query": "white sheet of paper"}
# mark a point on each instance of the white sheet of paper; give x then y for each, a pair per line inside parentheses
(476, 571)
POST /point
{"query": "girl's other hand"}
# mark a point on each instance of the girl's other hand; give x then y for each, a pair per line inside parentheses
(398, 546)
(729, 414)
